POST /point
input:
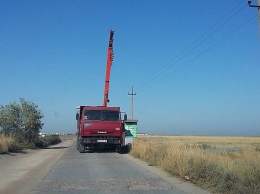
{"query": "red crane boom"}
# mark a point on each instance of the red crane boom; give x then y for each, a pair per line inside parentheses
(110, 57)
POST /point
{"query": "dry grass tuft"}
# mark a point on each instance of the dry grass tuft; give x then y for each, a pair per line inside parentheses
(5, 143)
(220, 164)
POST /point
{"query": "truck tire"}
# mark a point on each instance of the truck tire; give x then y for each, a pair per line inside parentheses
(124, 149)
(127, 148)
(81, 148)
(77, 144)
(118, 149)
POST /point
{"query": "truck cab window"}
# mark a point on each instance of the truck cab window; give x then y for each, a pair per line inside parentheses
(110, 115)
(92, 115)
(101, 115)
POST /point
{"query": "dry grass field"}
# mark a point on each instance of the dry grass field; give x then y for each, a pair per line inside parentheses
(229, 165)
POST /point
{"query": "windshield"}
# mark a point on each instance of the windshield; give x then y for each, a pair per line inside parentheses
(104, 115)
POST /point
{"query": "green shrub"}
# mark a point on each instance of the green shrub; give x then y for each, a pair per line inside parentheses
(40, 143)
(28, 146)
(44, 142)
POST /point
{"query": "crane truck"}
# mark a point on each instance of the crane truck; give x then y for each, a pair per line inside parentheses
(101, 126)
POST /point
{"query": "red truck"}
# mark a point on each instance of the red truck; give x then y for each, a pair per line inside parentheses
(101, 126)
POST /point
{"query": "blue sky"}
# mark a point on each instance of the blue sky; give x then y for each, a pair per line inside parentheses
(193, 64)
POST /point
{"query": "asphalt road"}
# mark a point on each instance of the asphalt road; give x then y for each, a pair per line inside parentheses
(102, 172)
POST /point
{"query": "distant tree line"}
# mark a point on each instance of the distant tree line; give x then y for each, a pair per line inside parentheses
(21, 121)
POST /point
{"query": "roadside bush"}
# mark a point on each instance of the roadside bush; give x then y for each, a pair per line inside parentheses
(40, 143)
(15, 147)
(44, 142)
(9, 144)
(26, 146)
(52, 139)
(21, 121)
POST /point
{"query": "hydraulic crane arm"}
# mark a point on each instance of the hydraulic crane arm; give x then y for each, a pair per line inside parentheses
(110, 57)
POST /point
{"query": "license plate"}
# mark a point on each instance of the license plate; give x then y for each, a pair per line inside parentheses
(102, 140)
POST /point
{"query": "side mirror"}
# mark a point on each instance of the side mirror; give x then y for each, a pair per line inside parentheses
(77, 116)
(125, 117)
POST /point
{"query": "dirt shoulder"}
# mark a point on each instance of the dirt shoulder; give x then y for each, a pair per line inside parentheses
(20, 172)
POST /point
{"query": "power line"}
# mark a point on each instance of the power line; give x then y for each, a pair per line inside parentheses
(206, 50)
(168, 65)
(154, 79)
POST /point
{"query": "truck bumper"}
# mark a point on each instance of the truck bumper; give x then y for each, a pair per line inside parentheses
(101, 141)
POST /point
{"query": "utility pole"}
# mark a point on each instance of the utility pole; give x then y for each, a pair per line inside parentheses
(132, 97)
(257, 6)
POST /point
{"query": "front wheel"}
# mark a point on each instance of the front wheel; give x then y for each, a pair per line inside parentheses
(81, 148)
(118, 149)
(77, 144)
(126, 149)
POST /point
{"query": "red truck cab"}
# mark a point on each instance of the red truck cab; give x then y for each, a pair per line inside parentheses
(99, 127)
